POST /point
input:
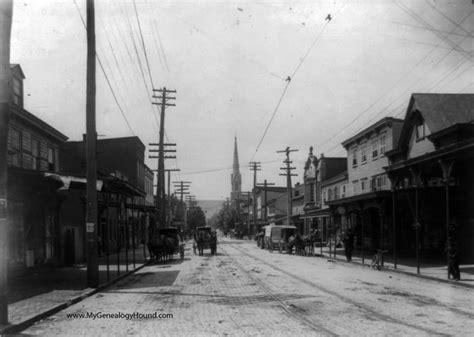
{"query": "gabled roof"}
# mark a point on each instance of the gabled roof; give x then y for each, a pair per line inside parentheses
(18, 68)
(439, 111)
(32, 120)
(372, 128)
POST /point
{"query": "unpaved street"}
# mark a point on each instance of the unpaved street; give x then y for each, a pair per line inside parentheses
(244, 290)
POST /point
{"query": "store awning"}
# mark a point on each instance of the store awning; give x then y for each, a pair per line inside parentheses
(69, 181)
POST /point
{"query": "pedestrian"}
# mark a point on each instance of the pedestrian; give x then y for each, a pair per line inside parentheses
(348, 241)
(452, 251)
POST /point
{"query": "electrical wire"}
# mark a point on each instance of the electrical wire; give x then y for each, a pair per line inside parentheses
(289, 79)
(106, 76)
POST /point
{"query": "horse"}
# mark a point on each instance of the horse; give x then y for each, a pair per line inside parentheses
(200, 243)
(308, 242)
(296, 242)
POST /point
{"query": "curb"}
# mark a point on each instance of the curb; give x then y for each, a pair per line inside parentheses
(16, 328)
(426, 277)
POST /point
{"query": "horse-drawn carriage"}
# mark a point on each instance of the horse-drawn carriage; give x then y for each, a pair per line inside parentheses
(278, 237)
(204, 238)
(165, 242)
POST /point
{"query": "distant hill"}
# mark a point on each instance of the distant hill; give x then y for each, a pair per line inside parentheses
(210, 207)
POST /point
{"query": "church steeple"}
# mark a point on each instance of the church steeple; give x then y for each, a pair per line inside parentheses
(236, 179)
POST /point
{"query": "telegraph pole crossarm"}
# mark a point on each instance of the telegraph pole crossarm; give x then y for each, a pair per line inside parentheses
(265, 185)
(170, 215)
(288, 175)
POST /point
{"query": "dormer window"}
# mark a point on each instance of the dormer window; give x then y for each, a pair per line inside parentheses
(420, 129)
(17, 92)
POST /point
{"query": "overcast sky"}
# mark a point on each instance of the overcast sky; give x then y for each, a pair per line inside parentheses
(228, 61)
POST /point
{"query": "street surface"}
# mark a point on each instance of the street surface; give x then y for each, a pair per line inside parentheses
(244, 291)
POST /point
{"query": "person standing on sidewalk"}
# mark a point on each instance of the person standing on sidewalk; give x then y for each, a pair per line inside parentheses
(348, 241)
(452, 252)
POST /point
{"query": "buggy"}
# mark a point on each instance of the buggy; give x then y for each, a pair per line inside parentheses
(204, 238)
(167, 242)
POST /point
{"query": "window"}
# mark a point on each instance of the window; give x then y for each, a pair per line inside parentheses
(381, 181)
(363, 184)
(382, 143)
(51, 159)
(35, 152)
(343, 193)
(17, 92)
(330, 194)
(354, 157)
(311, 192)
(375, 147)
(15, 147)
(336, 192)
(363, 154)
(420, 129)
(355, 188)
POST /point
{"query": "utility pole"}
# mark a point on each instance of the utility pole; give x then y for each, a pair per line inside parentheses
(191, 200)
(288, 175)
(160, 202)
(170, 215)
(254, 166)
(265, 185)
(6, 14)
(182, 190)
(91, 154)
(160, 213)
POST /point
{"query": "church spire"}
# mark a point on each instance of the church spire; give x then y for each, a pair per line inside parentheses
(236, 179)
(236, 157)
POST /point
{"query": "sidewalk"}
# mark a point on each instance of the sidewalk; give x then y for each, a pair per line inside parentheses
(428, 269)
(43, 291)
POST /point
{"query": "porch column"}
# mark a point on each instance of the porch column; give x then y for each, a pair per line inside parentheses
(416, 175)
(127, 232)
(106, 239)
(360, 215)
(133, 234)
(394, 182)
(447, 168)
(117, 226)
(382, 211)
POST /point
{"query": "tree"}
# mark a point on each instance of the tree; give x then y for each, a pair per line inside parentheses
(227, 218)
(196, 218)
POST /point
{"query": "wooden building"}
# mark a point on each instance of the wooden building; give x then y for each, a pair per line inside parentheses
(33, 149)
(432, 170)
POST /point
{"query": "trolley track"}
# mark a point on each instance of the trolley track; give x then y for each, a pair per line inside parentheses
(281, 303)
(360, 306)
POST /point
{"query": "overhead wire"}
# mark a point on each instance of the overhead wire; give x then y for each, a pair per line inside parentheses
(106, 76)
(289, 79)
(403, 77)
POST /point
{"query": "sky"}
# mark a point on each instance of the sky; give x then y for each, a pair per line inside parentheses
(228, 62)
